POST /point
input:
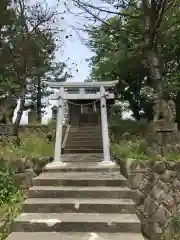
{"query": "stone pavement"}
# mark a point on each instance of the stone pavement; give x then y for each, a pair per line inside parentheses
(83, 200)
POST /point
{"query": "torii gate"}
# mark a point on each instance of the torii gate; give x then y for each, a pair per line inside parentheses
(99, 93)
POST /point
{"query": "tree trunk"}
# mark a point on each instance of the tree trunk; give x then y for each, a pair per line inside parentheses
(39, 100)
(20, 111)
(150, 17)
(155, 70)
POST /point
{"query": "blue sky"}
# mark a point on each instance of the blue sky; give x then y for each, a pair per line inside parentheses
(73, 48)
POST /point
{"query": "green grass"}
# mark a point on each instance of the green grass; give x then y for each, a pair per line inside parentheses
(10, 200)
(32, 145)
(8, 212)
(129, 149)
(137, 149)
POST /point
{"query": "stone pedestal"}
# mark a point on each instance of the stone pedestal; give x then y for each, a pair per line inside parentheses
(163, 126)
(163, 136)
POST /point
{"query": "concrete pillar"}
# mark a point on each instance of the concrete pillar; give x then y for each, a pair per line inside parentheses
(104, 123)
(59, 127)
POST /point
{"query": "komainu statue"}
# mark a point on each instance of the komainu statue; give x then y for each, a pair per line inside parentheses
(7, 107)
(164, 110)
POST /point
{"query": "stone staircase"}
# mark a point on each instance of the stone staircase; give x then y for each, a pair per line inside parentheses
(81, 200)
(84, 139)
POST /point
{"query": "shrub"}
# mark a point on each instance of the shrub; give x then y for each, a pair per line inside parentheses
(7, 188)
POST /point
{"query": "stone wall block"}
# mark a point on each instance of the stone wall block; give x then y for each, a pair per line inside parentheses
(140, 214)
(159, 191)
(177, 167)
(159, 167)
(39, 164)
(24, 180)
(149, 207)
(139, 197)
(176, 191)
(17, 166)
(28, 163)
(143, 184)
(151, 179)
(168, 176)
(171, 165)
(178, 176)
(135, 180)
(161, 216)
(153, 230)
(169, 201)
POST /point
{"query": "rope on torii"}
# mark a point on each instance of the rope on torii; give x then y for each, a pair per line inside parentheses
(84, 104)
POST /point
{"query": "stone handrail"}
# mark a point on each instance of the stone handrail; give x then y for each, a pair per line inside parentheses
(65, 136)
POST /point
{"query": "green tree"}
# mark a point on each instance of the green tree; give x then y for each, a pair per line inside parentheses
(29, 41)
(116, 57)
(55, 71)
(7, 17)
(151, 15)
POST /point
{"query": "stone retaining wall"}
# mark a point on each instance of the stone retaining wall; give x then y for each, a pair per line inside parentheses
(26, 169)
(8, 128)
(157, 188)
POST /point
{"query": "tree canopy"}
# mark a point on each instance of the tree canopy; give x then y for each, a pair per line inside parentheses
(118, 46)
(29, 40)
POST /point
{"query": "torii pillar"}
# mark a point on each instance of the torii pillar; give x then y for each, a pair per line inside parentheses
(104, 125)
(59, 129)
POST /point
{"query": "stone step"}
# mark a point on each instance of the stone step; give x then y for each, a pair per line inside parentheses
(80, 179)
(82, 157)
(85, 150)
(70, 205)
(77, 222)
(83, 146)
(84, 130)
(84, 141)
(80, 192)
(85, 126)
(74, 236)
(82, 167)
(85, 135)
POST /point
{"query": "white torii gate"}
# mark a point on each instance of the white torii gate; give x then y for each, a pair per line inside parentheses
(82, 95)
